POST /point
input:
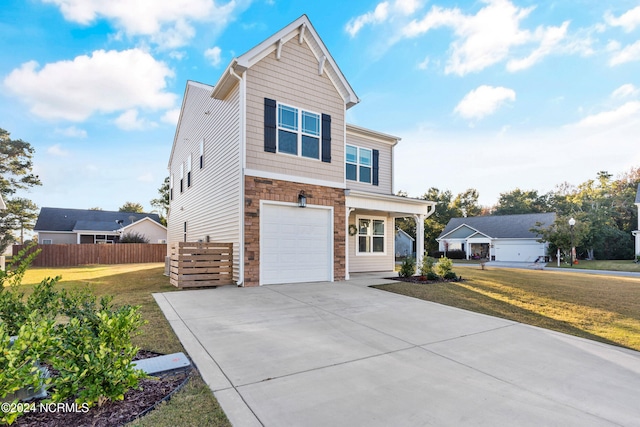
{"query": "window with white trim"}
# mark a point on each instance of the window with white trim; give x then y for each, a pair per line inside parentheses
(189, 171)
(182, 177)
(371, 235)
(298, 132)
(201, 153)
(359, 164)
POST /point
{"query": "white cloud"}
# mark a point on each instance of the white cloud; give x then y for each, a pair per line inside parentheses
(379, 14)
(626, 91)
(72, 132)
(105, 82)
(383, 12)
(171, 116)
(628, 53)
(424, 64)
(167, 23)
(489, 36)
(607, 118)
(56, 150)
(129, 120)
(213, 55)
(628, 20)
(483, 101)
(549, 38)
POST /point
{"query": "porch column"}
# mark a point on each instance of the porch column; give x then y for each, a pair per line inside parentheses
(346, 245)
(419, 238)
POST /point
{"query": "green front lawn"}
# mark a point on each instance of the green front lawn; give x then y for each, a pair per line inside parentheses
(613, 265)
(600, 308)
(133, 284)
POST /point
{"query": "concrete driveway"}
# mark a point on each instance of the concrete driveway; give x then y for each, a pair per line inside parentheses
(342, 354)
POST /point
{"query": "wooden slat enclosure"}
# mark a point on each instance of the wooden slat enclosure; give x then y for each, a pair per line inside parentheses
(71, 255)
(200, 264)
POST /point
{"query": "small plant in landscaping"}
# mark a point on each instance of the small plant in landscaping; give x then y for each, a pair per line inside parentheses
(444, 266)
(427, 266)
(407, 268)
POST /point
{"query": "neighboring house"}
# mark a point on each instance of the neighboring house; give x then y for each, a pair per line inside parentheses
(498, 237)
(59, 225)
(271, 136)
(404, 243)
(636, 233)
(2, 205)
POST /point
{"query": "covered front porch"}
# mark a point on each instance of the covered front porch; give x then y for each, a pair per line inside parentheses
(370, 243)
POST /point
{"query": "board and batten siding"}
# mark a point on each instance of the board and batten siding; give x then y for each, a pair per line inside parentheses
(293, 80)
(385, 171)
(211, 206)
(372, 262)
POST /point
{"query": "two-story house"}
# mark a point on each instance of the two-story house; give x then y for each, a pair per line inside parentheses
(265, 160)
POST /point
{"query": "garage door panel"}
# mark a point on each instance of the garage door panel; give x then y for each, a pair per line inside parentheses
(296, 244)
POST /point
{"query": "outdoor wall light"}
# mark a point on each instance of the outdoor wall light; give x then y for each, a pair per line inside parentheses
(302, 200)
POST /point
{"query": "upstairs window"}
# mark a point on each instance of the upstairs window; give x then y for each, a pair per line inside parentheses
(171, 187)
(359, 164)
(201, 153)
(181, 177)
(189, 171)
(298, 132)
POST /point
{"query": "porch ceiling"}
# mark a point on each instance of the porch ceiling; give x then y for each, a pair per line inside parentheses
(394, 205)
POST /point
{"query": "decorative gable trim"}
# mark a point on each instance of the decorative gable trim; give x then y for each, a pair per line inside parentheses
(303, 30)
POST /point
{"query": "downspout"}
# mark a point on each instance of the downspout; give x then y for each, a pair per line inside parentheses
(242, 148)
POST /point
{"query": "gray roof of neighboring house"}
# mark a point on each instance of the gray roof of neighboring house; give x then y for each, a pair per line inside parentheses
(61, 219)
(502, 226)
(638, 195)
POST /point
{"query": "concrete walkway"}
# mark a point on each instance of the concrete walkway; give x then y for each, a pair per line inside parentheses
(342, 354)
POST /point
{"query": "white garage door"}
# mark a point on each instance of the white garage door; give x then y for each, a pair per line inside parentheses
(522, 251)
(295, 244)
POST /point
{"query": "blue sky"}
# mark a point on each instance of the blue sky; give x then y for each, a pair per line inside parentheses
(490, 94)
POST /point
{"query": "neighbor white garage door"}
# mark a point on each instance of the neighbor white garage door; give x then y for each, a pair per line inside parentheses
(519, 250)
(295, 244)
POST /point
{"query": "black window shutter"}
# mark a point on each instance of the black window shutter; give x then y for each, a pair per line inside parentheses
(376, 161)
(269, 125)
(326, 138)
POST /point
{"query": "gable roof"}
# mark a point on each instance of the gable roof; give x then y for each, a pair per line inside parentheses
(62, 219)
(402, 232)
(304, 31)
(638, 194)
(502, 226)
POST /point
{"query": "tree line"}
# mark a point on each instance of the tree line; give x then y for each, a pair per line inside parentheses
(603, 208)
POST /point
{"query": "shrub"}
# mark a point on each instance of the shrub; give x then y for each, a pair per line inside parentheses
(407, 268)
(452, 254)
(427, 266)
(444, 266)
(92, 350)
(450, 275)
(133, 237)
(94, 358)
(432, 276)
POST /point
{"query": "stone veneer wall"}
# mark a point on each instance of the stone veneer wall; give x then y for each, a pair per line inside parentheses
(257, 189)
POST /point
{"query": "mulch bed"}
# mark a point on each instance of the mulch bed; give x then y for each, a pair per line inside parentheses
(136, 403)
(423, 280)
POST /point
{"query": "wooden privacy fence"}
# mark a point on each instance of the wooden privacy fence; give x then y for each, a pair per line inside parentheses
(81, 254)
(198, 264)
